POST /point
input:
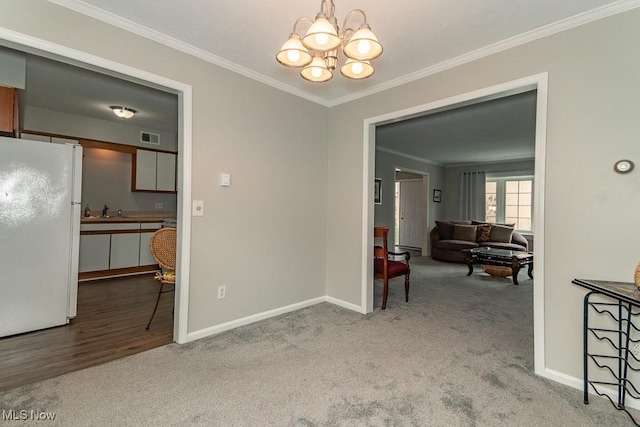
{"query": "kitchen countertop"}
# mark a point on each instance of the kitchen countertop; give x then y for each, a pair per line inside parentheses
(126, 218)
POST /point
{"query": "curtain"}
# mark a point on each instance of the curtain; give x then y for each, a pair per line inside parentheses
(472, 195)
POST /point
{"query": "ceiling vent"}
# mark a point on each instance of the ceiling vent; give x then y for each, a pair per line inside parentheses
(150, 138)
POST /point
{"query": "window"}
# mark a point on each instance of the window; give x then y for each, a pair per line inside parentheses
(510, 200)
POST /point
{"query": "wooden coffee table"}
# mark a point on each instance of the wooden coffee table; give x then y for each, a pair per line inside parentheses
(500, 257)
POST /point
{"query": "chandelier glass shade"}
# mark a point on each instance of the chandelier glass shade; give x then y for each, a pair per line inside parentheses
(357, 70)
(321, 36)
(317, 51)
(293, 53)
(363, 45)
(317, 71)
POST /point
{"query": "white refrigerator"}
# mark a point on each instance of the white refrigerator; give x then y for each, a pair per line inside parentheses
(40, 187)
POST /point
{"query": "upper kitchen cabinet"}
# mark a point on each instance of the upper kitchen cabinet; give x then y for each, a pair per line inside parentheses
(154, 171)
(48, 138)
(8, 111)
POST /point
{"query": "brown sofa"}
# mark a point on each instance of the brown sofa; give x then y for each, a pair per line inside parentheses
(448, 238)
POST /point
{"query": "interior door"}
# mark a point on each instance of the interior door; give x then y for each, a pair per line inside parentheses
(410, 225)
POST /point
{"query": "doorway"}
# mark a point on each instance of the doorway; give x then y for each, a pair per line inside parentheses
(40, 47)
(537, 83)
(411, 209)
(43, 48)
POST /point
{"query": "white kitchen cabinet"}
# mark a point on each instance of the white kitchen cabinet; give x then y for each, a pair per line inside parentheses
(145, 252)
(146, 170)
(155, 171)
(125, 250)
(94, 252)
(166, 172)
(47, 138)
(116, 248)
(35, 137)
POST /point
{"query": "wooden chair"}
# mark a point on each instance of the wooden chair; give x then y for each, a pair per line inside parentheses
(386, 268)
(163, 249)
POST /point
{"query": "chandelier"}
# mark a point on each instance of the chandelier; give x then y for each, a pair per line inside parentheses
(317, 52)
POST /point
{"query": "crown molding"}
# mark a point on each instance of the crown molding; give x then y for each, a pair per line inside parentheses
(408, 156)
(148, 33)
(452, 165)
(491, 162)
(538, 33)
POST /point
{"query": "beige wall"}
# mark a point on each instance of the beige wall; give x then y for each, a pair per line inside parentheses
(106, 179)
(264, 236)
(267, 237)
(594, 98)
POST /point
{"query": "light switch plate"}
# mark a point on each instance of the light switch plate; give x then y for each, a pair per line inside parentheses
(198, 208)
(225, 180)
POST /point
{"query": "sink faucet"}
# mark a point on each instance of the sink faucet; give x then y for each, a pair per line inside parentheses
(104, 211)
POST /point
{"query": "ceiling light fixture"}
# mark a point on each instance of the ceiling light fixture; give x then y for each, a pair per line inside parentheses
(317, 51)
(123, 112)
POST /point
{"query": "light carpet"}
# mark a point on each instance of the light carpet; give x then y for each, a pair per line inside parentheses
(460, 353)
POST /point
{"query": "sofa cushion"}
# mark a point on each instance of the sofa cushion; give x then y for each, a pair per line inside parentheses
(465, 232)
(476, 222)
(454, 245)
(483, 233)
(445, 229)
(501, 233)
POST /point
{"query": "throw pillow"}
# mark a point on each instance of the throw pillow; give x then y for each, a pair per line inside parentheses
(465, 232)
(476, 222)
(501, 234)
(484, 233)
(445, 230)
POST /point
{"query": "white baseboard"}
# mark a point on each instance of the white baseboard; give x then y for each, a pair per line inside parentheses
(206, 332)
(578, 383)
(563, 378)
(343, 304)
(202, 333)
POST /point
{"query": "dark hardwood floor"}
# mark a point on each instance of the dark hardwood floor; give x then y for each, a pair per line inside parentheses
(110, 324)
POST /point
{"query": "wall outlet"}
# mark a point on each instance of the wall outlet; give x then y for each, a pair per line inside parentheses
(635, 349)
(222, 292)
(159, 205)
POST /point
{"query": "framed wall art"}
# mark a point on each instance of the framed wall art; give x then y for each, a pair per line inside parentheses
(377, 191)
(437, 195)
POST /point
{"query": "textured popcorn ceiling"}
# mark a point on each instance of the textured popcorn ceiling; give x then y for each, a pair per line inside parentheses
(416, 35)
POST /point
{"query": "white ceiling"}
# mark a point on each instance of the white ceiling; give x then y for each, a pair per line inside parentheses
(493, 131)
(66, 88)
(419, 38)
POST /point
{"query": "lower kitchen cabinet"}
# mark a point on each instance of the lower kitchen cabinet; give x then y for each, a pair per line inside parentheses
(94, 253)
(125, 250)
(116, 249)
(145, 251)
